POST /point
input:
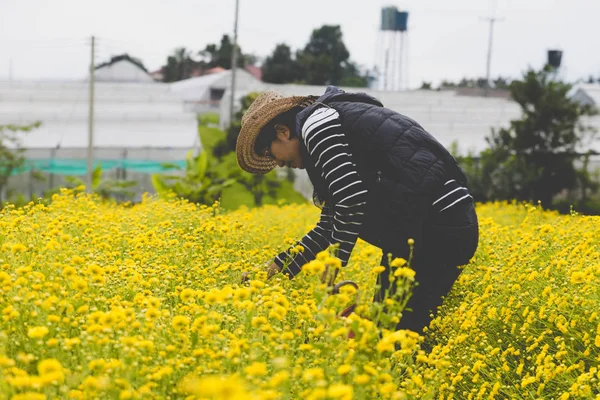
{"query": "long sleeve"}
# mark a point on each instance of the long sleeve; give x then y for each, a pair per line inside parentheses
(318, 239)
(328, 148)
(329, 152)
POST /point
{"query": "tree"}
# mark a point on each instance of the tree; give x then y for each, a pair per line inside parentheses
(179, 65)
(352, 76)
(322, 60)
(220, 56)
(501, 83)
(467, 83)
(280, 67)
(224, 54)
(250, 59)
(447, 84)
(534, 158)
(426, 86)
(11, 154)
(464, 82)
(209, 55)
(498, 83)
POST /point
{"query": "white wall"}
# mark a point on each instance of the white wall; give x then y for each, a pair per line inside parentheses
(122, 71)
(132, 115)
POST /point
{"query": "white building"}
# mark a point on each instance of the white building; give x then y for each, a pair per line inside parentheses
(450, 116)
(137, 128)
(211, 93)
(588, 94)
(122, 69)
(140, 125)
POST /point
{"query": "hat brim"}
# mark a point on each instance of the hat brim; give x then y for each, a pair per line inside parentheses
(247, 158)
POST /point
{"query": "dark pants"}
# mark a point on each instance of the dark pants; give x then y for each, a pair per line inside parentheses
(449, 240)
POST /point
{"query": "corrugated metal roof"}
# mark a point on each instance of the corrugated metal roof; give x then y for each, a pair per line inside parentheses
(196, 89)
(126, 115)
(152, 115)
(587, 94)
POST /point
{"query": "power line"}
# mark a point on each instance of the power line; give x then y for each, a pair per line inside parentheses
(48, 41)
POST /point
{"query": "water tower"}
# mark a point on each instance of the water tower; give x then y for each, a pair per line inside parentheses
(391, 49)
(554, 60)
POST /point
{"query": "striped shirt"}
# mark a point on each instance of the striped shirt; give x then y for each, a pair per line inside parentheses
(327, 145)
(328, 148)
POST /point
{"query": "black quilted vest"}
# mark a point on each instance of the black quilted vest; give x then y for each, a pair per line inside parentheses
(403, 166)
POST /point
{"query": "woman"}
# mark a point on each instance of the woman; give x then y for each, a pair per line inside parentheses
(379, 176)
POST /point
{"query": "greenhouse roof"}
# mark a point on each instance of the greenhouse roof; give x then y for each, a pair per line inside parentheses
(588, 94)
(197, 89)
(126, 115)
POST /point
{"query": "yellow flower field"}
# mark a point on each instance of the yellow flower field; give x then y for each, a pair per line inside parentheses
(145, 301)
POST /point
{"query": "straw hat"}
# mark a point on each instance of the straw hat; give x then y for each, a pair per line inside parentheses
(262, 110)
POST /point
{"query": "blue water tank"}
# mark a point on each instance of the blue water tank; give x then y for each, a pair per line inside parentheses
(394, 20)
(388, 18)
(401, 21)
(554, 58)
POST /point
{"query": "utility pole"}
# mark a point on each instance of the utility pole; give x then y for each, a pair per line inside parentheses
(385, 70)
(394, 56)
(492, 21)
(234, 61)
(10, 70)
(91, 122)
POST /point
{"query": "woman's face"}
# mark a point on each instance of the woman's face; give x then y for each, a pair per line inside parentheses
(285, 150)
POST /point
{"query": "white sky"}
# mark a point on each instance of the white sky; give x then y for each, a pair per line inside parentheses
(47, 39)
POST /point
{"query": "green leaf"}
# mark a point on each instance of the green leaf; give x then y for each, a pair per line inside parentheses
(180, 188)
(189, 161)
(228, 182)
(201, 165)
(209, 137)
(125, 184)
(96, 176)
(170, 166)
(74, 181)
(160, 186)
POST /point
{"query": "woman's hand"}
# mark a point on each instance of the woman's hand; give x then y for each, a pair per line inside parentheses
(271, 269)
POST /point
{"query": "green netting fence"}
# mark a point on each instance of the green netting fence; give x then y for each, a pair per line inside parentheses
(79, 166)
